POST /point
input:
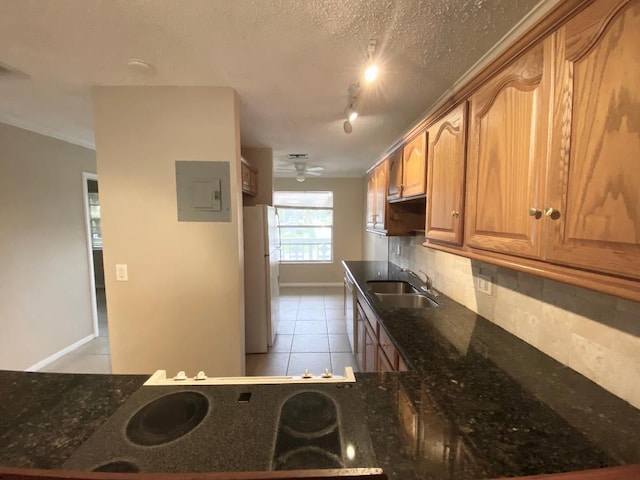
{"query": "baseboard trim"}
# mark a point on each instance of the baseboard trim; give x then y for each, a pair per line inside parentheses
(61, 353)
(313, 284)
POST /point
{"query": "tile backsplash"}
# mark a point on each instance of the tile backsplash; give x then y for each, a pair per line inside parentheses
(596, 334)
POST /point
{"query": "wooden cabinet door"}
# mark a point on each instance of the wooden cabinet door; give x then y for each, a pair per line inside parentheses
(371, 199)
(384, 365)
(594, 175)
(370, 349)
(414, 167)
(360, 339)
(381, 195)
(246, 177)
(253, 185)
(394, 191)
(507, 155)
(445, 177)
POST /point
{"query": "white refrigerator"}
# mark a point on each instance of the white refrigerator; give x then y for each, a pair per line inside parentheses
(261, 292)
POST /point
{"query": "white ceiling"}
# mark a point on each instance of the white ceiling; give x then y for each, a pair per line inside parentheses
(291, 62)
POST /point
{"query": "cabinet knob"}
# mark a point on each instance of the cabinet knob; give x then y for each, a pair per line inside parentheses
(534, 212)
(551, 212)
(454, 213)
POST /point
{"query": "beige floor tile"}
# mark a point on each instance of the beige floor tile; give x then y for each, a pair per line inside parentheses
(336, 326)
(339, 343)
(267, 364)
(334, 313)
(312, 327)
(81, 364)
(281, 344)
(310, 343)
(316, 363)
(97, 346)
(286, 327)
(334, 303)
(311, 303)
(341, 360)
(311, 314)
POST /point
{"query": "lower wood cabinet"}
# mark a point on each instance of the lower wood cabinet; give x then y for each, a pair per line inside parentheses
(374, 350)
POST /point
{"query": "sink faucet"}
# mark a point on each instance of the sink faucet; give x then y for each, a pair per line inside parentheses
(428, 287)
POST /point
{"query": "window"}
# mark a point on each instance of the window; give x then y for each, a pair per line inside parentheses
(94, 216)
(306, 226)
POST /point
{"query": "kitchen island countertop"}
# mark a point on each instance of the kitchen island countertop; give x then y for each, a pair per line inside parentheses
(479, 403)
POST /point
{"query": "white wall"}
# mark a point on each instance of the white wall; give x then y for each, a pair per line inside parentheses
(347, 232)
(183, 306)
(597, 335)
(45, 302)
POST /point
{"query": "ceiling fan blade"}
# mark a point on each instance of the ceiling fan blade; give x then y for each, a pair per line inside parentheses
(313, 174)
(315, 169)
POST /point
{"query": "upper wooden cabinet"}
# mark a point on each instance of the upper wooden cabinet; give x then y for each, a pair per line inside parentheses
(371, 199)
(249, 178)
(381, 174)
(508, 136)
(445, 177)
(376, 198)
(381, 216)
(394, 191)
(414, 167)
(593, 192)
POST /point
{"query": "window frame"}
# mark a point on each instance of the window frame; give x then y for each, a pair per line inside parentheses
(303, 207)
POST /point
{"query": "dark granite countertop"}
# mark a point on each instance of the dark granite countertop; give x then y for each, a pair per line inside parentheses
(506, 407)
(479, 403)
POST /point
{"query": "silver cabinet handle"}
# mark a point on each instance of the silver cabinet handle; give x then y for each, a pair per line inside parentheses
(454, 213)
(534, 212)
(551, 212)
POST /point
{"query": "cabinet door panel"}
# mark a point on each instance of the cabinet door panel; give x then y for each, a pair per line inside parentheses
(594, 179)
(381, 195)
(384, 365)
(507, 155)
(371, 349)
(414, 167)
(395, 176)
(445, 177)
(371, 200)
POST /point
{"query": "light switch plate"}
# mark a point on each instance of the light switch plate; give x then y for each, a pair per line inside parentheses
(122, 275)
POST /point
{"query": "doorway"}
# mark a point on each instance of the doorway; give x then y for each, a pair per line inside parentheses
(94, 248)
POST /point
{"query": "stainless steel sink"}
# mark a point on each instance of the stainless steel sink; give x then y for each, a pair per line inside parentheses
(391, 287)
(406, 300)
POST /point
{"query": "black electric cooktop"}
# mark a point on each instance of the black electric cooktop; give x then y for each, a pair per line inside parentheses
(230, 428)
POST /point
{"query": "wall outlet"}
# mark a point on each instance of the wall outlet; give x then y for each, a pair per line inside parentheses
(398, 250)
(122, 275)
(484, 284)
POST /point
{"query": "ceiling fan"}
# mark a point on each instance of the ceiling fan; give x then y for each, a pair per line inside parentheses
(301, 169)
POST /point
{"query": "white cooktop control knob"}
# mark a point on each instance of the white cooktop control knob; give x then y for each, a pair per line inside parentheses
(327, 373)
(180, 376)
(200, 376)
(307, 374)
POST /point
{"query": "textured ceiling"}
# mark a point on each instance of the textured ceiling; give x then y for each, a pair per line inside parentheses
(291, 62)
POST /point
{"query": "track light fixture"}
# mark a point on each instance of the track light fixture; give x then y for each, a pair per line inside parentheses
(370, 74)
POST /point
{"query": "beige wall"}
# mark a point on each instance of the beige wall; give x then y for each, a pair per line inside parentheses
(347, 231)
(182, 308)
(595, 334)
(262, 160)
(45, 303)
